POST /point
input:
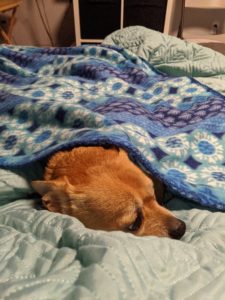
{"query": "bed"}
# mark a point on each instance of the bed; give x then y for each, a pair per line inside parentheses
(46, 255)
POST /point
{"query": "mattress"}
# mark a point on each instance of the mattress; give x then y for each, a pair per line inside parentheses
(45, 255)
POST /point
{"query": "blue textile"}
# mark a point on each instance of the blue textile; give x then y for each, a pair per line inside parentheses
(57, 98)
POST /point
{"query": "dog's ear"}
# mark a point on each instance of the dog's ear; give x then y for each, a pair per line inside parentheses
(55, 194)
(45, 186)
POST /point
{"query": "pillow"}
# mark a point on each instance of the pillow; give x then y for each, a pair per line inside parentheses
(15, 183)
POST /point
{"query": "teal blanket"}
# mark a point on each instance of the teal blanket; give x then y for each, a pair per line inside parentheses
(172, 127)
(173, 56)
(51, 256)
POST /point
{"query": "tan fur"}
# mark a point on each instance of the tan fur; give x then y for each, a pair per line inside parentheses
(103, 189)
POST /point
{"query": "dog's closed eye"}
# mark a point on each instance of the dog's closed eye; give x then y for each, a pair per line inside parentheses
(136, 224)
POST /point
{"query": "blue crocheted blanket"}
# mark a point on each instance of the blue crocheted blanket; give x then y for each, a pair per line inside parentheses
(57, 98)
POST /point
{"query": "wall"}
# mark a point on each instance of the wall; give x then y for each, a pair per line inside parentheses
(200, 21)
(29, 29)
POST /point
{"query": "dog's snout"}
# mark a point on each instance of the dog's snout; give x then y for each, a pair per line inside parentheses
(177, 230)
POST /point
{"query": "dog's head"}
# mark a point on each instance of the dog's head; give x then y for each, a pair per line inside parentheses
(105, 190)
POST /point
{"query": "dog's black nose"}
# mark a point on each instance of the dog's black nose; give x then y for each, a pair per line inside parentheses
(177, 229)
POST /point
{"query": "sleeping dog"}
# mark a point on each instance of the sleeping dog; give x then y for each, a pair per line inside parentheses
(105, 190)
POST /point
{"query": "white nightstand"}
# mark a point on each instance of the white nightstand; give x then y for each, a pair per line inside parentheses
(79, 39)
(171, 21)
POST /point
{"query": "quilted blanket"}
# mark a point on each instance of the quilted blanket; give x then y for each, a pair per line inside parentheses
(54, 99)
(172, 55)
(54, 257)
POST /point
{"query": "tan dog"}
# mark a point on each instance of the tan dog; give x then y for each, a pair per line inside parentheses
(105, 190)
